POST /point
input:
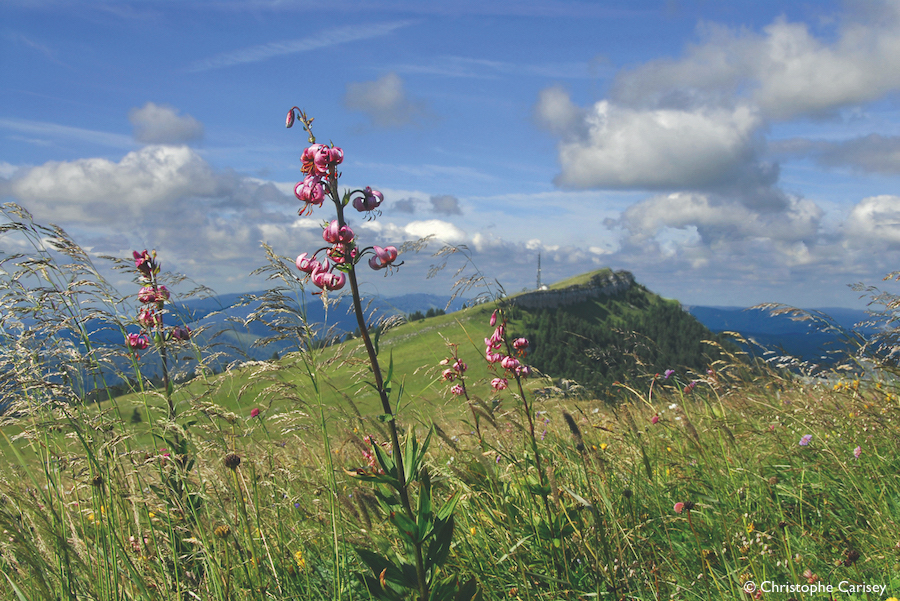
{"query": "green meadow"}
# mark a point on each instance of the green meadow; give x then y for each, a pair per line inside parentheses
(272, 479)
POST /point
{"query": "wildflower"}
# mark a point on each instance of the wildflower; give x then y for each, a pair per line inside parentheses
(323, 277)
(289, 121)
(668, 373)
(145, 263)
(857, 452)
(520, 344)
(509, 363)
(306, 264)
(149, 318)
(254, 413)
(337, 233)
(679, 507)
(232, 461)
(460, 366)
(492, 357)
(311, 191)
(299, 560)
(499, 383)
(182, 333)
(319, 159)
(523, 371)
(153, 294)
(654, 419)
(383, 257)
(222, 531)
(448, 374)
(138, 342)
(494, 318)
(690, 387)
(804, 442)
(457, 389)
(369, 201)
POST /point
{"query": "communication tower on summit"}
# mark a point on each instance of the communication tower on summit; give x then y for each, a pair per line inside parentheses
(539, 272)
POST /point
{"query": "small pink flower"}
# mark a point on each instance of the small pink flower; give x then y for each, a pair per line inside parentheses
(325, 279)
(335, 233)
(509, 363)
(254, 413)
(149, 318)
(383, 257)
(306, 264)
(679, 507)
(145, 263)
(289, 120)
(449, 375)
(369, 201)
(654, 419)
(318, 159)
(460, 366)
(311, 191)
(457, 389)
(857, 452)
(523, 371)
(138, 342)
(182, 333)
(149, 294)
(494, 318)
(520, 344)
(492, 357)
(500, 383)
(804, 441)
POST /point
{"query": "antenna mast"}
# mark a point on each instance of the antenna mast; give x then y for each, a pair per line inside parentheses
(539, 272)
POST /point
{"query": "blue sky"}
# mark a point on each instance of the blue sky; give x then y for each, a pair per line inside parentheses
(727, 153)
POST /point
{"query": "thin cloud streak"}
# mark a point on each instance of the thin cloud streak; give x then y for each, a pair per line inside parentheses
(55, 130)
(325, 39)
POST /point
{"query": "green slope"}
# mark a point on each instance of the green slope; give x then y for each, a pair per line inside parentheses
(594, 342)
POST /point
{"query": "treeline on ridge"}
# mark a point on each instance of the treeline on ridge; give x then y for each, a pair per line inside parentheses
(615, 339)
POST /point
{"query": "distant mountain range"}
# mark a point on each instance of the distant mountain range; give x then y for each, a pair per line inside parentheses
(222, 318)
(803, 339)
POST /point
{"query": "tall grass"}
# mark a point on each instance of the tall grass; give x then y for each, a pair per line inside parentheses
(689, 486)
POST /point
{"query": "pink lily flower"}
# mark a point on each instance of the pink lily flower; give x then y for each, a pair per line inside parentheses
(324, 278)
(335, 233)
(306, 263)
(138, 342)
(509, 362)
(492, 357)
(311, 191)
(494, 318)
(457, 389)
(448, 374)
(520, 344)
(369, 201)
(383, 257)
(500, 383)
(149, 318)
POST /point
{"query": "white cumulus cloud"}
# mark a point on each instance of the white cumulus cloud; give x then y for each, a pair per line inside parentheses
(159, 124)
(384, 101)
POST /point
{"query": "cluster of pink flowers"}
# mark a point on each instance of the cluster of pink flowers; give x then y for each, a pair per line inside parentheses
(321, 274)
(319, 161)
(152, 297)
(455, 371)
(493, 353)
(320, 166)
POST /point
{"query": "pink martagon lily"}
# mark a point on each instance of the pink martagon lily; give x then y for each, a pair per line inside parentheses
(383, 257)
